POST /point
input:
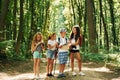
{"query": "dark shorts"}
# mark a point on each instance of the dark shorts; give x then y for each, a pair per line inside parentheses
(73, 51)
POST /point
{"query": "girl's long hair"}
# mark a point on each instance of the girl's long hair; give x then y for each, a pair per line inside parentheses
(77, 33)
(35, 37)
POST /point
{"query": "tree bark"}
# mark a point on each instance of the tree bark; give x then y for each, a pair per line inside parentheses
(85, 43)
(79, 12)
(91, 27)
(104, 25)
(74, 18)
(14, 20)
(3, 15)
(21, 28)
(111, 4)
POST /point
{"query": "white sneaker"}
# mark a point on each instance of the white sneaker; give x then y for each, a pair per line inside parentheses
(81, 73)
(35, 77)
(74, 74)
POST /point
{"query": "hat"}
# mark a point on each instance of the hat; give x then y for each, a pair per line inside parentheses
(63, 30)
(76, 26)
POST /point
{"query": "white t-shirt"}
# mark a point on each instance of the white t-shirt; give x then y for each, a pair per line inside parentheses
(62, 42)
(52, 42)
(77, 46)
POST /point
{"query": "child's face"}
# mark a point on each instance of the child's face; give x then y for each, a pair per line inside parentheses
(38, 37)
(54, 36)
(63, 34)
(74, 30)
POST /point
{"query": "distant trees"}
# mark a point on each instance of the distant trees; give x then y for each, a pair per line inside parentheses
(21, 19)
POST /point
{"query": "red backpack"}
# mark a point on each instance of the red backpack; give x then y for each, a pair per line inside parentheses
(80, 40)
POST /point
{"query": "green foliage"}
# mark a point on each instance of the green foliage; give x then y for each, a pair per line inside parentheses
(8, 48)
(92, 57)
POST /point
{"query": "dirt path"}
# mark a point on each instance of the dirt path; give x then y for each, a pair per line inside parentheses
(22, 70)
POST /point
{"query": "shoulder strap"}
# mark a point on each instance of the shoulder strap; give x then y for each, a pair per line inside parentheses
(80, 40)
(66, 40)
(58, 40)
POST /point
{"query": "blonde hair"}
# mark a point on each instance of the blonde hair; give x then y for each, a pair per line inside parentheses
(35, 40)
(35, 37)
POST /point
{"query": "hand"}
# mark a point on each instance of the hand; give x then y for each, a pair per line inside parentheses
(60, 46)
(39, 43)
(69, 44)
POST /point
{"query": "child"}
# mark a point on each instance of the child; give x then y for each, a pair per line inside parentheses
(74, 50)
(51, 54)
(62, 54)
(36, 48)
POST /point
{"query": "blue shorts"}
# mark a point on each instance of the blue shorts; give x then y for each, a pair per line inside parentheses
(37, 54)
(51, 54)
(63, 57)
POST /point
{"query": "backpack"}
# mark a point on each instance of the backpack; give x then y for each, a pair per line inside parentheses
(80, 40)
(59, 40)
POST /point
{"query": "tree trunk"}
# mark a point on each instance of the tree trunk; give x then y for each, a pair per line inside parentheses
(111, 4)
(79, 12)
(91, 27)
(100, 31)
(85, 43)
(104, 25)
(3, 15)
(46, 15)
(21, 28)
(14, 20)
(0, 5)
(74, 18)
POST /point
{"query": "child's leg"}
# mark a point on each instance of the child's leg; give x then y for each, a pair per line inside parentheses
(38, 66)
(34, 66)
(79, 60)
(48, 64)
(51, 65)
(72, 61)
(62, 68)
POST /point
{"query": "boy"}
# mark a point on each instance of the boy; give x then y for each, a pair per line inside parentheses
(62, 54)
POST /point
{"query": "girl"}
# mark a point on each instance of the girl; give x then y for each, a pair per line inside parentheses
(74, 49)
(51, 54)
(36, 48)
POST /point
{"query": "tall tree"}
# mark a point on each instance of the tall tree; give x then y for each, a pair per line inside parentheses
(14, 20)
(73, 9)
(85, 43)
(104, 25)
(91, 27)
(21, 28)
(79, 11)
(111, 4)
(3, 15)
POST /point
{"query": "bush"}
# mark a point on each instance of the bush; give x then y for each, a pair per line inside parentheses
(93, 57)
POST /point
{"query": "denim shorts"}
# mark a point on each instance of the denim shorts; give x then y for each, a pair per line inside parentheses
(63, 57)
(50, 54)
(37, 54)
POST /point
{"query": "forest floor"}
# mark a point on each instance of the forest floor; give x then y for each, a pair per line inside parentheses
(23, 70)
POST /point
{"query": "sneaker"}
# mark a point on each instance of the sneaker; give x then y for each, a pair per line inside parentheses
(48, 75)
(59, 76)
(81, 73)
(37, 77)
(63, 75)
(74, 74)
(51, 75)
